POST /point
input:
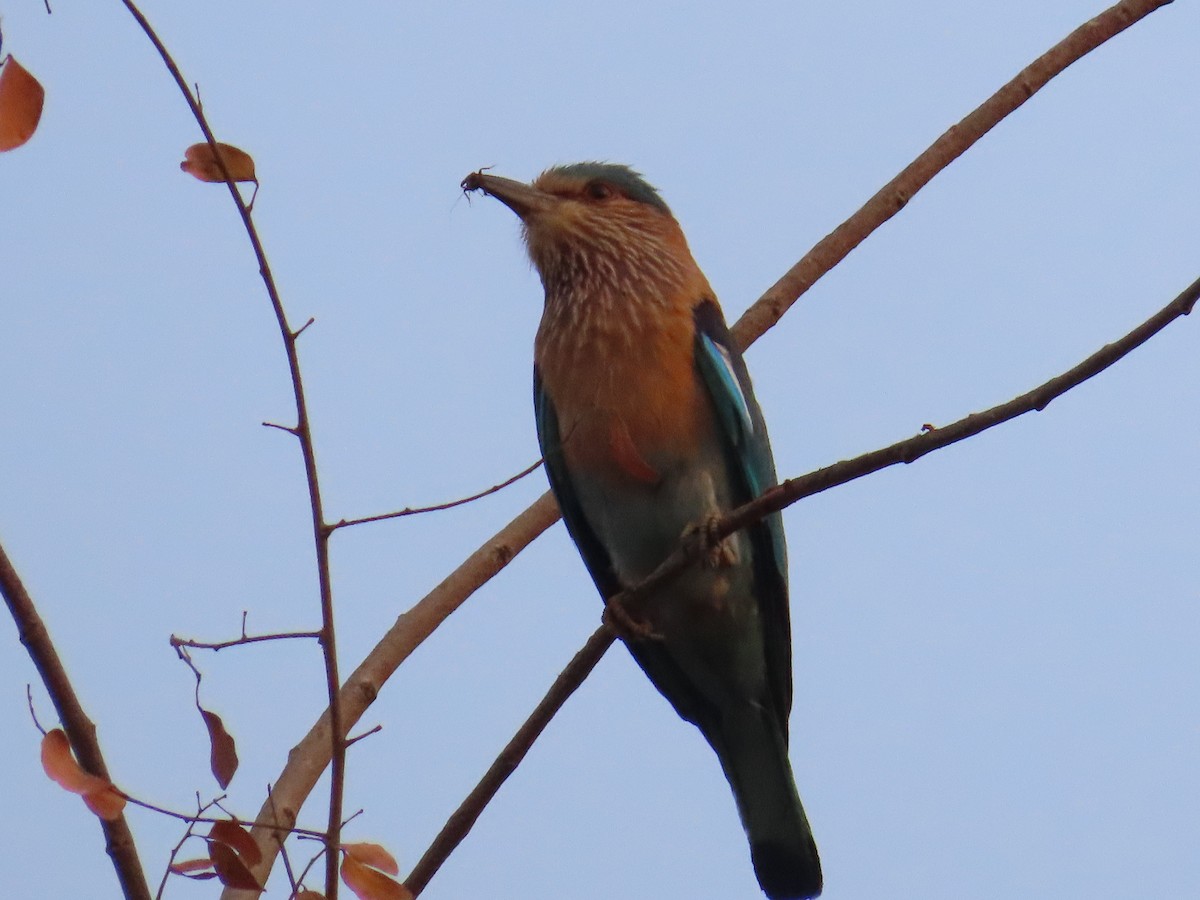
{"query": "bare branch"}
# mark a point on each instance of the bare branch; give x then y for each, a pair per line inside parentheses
(178, 642)
(33, 712)
(32, 632)
(957, 139)
(413, 511)
(320, 529)
(463, 818)
(787, 493)
(350, 742)
(309, 758)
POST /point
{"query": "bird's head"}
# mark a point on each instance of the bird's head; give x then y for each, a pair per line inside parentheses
(594, 227)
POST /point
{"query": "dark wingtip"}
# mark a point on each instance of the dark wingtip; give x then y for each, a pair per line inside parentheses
(787, 872)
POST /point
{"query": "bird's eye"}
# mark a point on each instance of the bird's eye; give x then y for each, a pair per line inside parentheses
(598, 190)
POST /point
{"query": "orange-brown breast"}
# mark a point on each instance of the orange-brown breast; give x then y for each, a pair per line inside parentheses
(624, 385)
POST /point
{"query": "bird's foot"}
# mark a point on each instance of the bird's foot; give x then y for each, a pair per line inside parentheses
(619, 619)
(715, 552)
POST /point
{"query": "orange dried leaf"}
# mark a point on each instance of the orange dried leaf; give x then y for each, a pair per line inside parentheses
(200, 162)
(223, 758)
(107, 802)
(371, 884)
(230, 868)
(374, 856)
(21, 97)
(61, 766)
(206, 875)
(99, 794)
(309, 895)
(234, 835)
(183, 867)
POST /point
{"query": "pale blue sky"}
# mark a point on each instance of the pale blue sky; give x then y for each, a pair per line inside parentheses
(997, 686)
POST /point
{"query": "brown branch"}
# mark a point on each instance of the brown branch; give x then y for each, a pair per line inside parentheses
(463, 818)
(178, 642)
(893, 196)
(417, 510)
(32, 632)
(915, 447)
(351, 741)
(774, 500)
(303, 432)
(309, 758)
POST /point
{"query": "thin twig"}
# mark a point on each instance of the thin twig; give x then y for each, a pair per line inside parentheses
(304, 872)
(244, 639)
(774, 500)
(200, 810)
(182, 653)
(283, 852)
(81, 732)
(303, 432)
(33, 712)
(350, 742)
(212, 820)
(417, 510)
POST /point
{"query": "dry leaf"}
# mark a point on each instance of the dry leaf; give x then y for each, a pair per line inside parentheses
(233, 833)
(206, 875)
(106, 802)
(371, 884)
(230, 868)
(200, 162)
(21, 99)
(183, 867)
(223, 758)
(374, 856)
(309, 895)
(100, 796)
(196, 869)
(61, 766)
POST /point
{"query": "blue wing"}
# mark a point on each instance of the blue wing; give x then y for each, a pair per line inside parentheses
(752, 466)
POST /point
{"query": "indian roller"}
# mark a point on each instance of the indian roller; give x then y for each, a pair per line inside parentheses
(649, 430)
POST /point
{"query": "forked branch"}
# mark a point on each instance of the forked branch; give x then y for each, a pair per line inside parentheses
(321, 531)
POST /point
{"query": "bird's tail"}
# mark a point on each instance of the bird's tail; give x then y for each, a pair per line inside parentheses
(753, 753)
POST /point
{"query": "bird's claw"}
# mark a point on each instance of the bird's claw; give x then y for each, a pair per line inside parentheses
(715, 552)
(619, 619)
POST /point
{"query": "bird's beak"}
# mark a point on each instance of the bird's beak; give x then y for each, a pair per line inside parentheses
(523, 199)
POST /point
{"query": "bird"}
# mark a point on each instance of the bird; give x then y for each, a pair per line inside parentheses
(650, 430)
